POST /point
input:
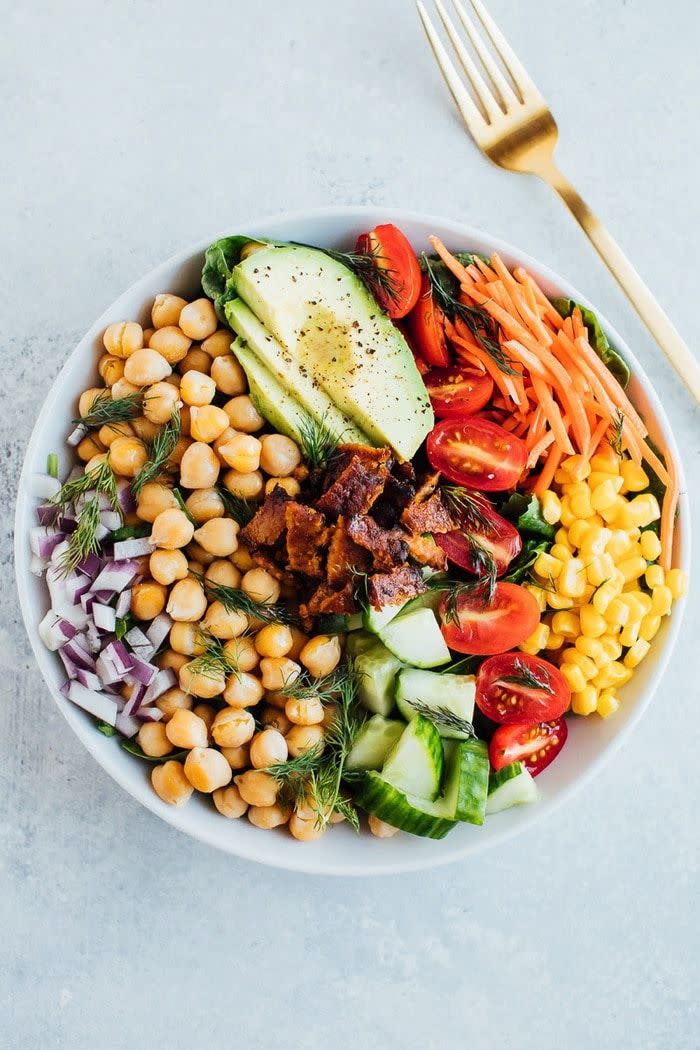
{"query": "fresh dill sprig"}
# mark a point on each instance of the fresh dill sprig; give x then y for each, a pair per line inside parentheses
(83, 540)
(160, 449)
(528, 678)
(327, 689)
(442, 716)
(293, 775)
(618, 426)
(180, 499)
(318, 441)
(237, 507)
(478, 321)
(483, 564)
(214, 662)
(235, 600)
(107, 410)
(470, 507)
(480, 591)
(100, 479)
(368, 267)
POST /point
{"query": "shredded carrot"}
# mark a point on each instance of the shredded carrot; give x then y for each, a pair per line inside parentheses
(597, 436)
(548, 470)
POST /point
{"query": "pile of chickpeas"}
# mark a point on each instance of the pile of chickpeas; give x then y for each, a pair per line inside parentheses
(183, 362)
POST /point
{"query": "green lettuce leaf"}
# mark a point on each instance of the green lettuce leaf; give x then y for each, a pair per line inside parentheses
(599, 341)
(525, 511)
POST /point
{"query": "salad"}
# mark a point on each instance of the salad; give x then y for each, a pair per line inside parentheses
(354, 533)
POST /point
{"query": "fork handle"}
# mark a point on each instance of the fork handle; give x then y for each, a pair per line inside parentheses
(658, 323)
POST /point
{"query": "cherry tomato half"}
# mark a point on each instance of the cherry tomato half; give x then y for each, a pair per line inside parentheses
(458, 391)
(497, 538)
(533, 745)
(426, 326)
(482, 627)
(517, 687)
(476, 453)
(398, 292)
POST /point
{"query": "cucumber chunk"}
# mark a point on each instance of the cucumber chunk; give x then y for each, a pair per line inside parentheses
(473, 790)
(511, 786)
(373, 743)
(414, 764)
(415, 638)
(375, 619)
(376, 671)
(455, 692)
(358, 642)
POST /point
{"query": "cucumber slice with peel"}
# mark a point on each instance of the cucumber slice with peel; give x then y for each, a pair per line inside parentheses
(375, 619)
(373, 743)
(451, 692)
(414, 764)
(474, 781)
(415, 638)
(511, 786)
(376, 670)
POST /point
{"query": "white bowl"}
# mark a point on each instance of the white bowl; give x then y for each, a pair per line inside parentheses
(340, 852)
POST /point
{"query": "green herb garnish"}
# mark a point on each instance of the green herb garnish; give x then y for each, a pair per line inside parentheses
(235, 600)
(123, 625)
(470, 507)
(480, 591)
(83, 541)
(107, 410)
(442, 716)
(106, 729)
(528, 678)
(183, 506)
(52, 465)
(133, 748)
(237, 507)
(318, 442)
(160, 449)
(214, 662)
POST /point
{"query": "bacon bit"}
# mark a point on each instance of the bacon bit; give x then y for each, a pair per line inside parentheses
(265, 529)
(390, 588)
(307, 538)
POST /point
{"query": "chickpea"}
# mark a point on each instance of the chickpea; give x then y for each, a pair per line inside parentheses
(170, 783)
(89, 447)
(219, 536)
(146, 367)
(243, 653)
(198, 683)
(144, 429)
(224, 573)
(261, 586)
(380, 828)
(229, 803)
(243, 690)
(111, 368)
(272, 718)
(153, 499)
(207, 713)
(207, 423)
(242, 453)
(196, 388)
(166, 309)
(123, 338)
(280, 455)
(243, 415)
(198, 319)
(267, 748)
(306, 712)
(207, 769)
(330, 713)
(268, 817)
(306, 830)
(303, 738)
(205, 504)
(237, 757)
(186, 729)
(171, 343)
(199, 467)
(160, 402)
(196, 360)
(111, 431)
(172, 529)
(88, 397)
(278, 672)
(147, 333)
(257, 788)
(290, 485)
(123, 388)
(170, 660)
(276, 699)
(224, 623)
(199, 556)
(187, 602)
(185, 638)
(126, 456)
(179, 451)
(233, 727)
(228, 375)
(148, 599)
(153, 741)
(247, 486)
(321, 654)
(167, 566)
(218, 344)
(299, 640)
(174, 380)
(173, 700)
(275, 639)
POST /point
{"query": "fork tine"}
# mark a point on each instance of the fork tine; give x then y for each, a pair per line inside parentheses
(483, 95)
(465, 104)
(502, 89)
(510, 60)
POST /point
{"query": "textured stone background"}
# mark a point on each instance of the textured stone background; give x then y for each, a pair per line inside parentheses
(129, 130)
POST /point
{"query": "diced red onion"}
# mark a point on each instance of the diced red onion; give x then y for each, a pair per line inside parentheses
(159, 629)
(76, 586)
(87, 601)
(135, 637)
(116, 576)
(93, 638)
(76, 436)
(97, 703)
(88, 678)
(60, 601)
(43, 539)
(141, 671)
(163, 681)
(90, 566)
(127, 725)
(149, 714)
(104, 616)
(144, 652)
(116, 652)
(76, 651)
(123, 603)
(111, 520)
(55, 632)
(37, 565)
(44, 486)
(70, 667)
(127, 501)
(134, 702)
(46, 513)
(133, 548)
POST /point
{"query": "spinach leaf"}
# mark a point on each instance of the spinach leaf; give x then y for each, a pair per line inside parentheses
(123, 625)
(133, 748)
(106, 729)
(219, 260)
(526, 514)
(599, 341)
(520, 569)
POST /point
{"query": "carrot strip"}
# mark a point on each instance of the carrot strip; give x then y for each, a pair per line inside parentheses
(551, 411)
(548, 470)
(453, 265)
(597, 436)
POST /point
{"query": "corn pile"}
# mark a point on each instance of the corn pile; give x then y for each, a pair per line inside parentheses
(600, 587)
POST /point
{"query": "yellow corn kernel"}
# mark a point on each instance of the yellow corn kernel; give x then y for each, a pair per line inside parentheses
(661, 601)
(559, 601)
(614, 674)
(577, 532)
(618, 544)
(551, 507)
(617, 613)
(537, 640)
(636, 653)
(562, 536)
(555, 641)
(547, 565)
(600, 569)
(630, 633)
(649, 626)
(633, 477)
(641, 511)
(608, 703)
(640, 599)
(572, 579)
(539, 594)
(655, 576)
(677, 583)
(579, 659)
(605, 594)
(560, 551)
(636, 608)
(594, 542)
(604, 495)
(606, 459)
(574, 676)
(632, 568)
(561, 477)
(566, 624)
(585, 702)
(593, 623)
(580, 502)
(597, 477)
(650, 545)
(613, 649)
(567, 517)
(576, 467)
(588, 592)
(593, 648)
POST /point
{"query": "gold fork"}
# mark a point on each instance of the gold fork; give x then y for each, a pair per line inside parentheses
(512, 124)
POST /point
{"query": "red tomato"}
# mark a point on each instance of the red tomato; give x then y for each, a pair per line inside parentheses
(487, 627)
(426, 325)
(533, 745)
(494, 534)
(476, 453)
(398, 292)
(517, 687)
(458, 391)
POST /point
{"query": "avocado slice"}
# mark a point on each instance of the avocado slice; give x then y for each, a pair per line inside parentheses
(287, 373)
(329, 326)
(269, 397)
